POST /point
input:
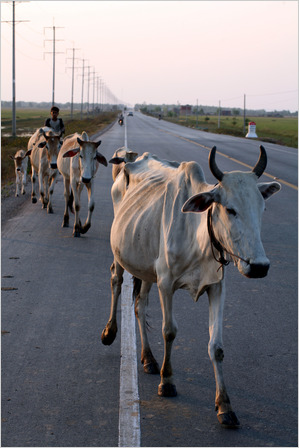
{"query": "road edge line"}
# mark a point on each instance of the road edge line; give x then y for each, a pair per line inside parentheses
(129, 413)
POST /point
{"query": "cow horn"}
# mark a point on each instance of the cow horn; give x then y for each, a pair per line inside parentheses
(261, 163)
(213, 167)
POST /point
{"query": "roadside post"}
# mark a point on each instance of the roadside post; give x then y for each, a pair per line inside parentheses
(251, 130)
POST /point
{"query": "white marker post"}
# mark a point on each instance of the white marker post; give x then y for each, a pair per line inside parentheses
(251, 130)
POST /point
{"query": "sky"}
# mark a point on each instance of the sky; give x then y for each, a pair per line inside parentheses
(155, 52)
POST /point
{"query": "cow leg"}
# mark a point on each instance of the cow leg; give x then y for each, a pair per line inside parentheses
(150, 365)
(109, 332)
(225, 414)
(169, 329)
(43, 189)
(77, 188)
(23, 177)
(90, 207)
(18, 182)
(52, 181)
(66, 193)
(33, 182)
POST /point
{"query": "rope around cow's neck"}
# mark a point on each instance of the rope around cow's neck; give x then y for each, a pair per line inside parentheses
(217, 245)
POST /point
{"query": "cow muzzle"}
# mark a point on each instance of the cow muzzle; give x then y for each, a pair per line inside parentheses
(258, 269)
(86, 180)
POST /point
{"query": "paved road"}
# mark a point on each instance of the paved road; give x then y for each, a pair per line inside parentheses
(60, 385)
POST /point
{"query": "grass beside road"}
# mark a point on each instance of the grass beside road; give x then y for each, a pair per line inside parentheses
(282, 131)
(28, 120)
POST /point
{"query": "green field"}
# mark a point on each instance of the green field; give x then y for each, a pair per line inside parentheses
(28, 120)
(282, 131)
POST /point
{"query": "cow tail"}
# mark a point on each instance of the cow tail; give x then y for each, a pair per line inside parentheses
(136, 287)
(71, 202)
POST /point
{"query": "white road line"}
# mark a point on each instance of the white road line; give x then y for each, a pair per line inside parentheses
(129, 413)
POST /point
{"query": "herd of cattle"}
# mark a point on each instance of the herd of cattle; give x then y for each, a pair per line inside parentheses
(170, 227)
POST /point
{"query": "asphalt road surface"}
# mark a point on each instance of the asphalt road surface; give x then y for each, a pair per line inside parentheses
(60, 384)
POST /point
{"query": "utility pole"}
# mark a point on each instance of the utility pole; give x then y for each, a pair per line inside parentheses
(97, 93)
(73, 70)
(54, 56)
(219, 113)
(14, 127)
(244, 115)
(88, 80)
(101, 96)
(88, 88)
(82, 92)
(13, 21)
(94, 73)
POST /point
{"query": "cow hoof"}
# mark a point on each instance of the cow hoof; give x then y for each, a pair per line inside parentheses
(85, 228)
(76, 234)
(167, 390)
(151, 367)
(65, 222)
(23, 192)
(108, 336)
(44, 206)
(229, 420)
(50, 210)
(34, 200)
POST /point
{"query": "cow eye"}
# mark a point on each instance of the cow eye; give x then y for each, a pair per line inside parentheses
(231, 211)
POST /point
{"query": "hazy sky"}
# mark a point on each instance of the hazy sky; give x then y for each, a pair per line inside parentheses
(156, 51)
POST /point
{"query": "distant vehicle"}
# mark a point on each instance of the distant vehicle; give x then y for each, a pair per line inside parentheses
(130, 114)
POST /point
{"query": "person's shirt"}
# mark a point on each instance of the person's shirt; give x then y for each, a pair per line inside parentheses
(57, 126)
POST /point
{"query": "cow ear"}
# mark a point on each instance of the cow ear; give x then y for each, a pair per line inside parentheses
(117, 160)
(198, 203)
(28, 153)
(42, 144)
(101, 159)
(267, 189)
(71, 152)
(98, 143)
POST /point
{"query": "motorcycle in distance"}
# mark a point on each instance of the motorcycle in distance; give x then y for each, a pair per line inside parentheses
(121, 121)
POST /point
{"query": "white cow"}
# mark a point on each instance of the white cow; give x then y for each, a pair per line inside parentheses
(21, 163)
(78, 162)
(120, 158)
(154, 241)
(43, 148)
